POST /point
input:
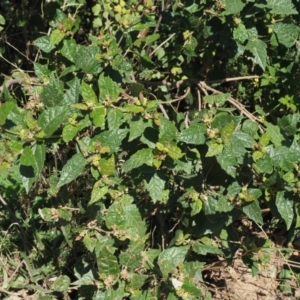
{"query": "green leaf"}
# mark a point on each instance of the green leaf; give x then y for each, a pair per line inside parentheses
(227, 161)
(285, 208)
(143, 156)
(5, 109)
(195, 134)
(27, 158)
(69, 49)
(275, 135)
(253, 212)
(218, 100)
(170, 258)
(214, 149)
(107, 166)
(175, 152)
(61, 284)
(98, 192)
(288, 124)
(233, 7)
(107, 264)
(202, 249)
(56, 36)
(282, 7)
(72, 169)
(85, 59)
(44, 44)
(88, 93)
(69, 132)
(98, 115)
(109, 90)
(114, 118)
(137, 128)
(287, 34)
(50, 119)
(111, 138)
(72, 94)
(259, 49)
(264, 165)
(52, 94)
(155, 186)
(167, 131)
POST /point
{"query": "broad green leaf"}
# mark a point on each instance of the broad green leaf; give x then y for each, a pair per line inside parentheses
(240, 34)
(107, 166)
(195, 134)
(214, 149)
(44, 44)
(114, 118)
(155, 186)
(69, 132)
(170, 258)
(259, 49)
(132, 258)
(275, 134)
(202, 249)
(98, 115)
(134, 108)
(143, 156)
(281, 7)
(137, 128)
(233, 7)
(288, 124)
(85, 59)
(196, 207)
(51, 118)
(109, 90)
(61, 284)
(72, 94)
(5, 109)
(218, 100)
(52, 94)
(107, 264)
(264, 165)
(167, 131)
(243, 137)
(41, 71)
(27, 158)
(72, 169)
(227, 131)
(111, 138)
(253, 212)
(227, 161)
(69, 49)
(287, 34)
(98, 192)
(285, 208)
(56, 36)
(88, 93)
(175, 152)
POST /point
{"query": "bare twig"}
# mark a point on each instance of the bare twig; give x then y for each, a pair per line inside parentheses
(10, 82)
(177, 99)
(160, 45)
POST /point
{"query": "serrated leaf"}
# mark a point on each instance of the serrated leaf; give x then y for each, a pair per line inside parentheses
(72, 94)
(195, 134)
(111, 138)
(285, 208)
(69, 132)
(214, 149)
(264, 164)
(287, 34)
(52, 94)
(51, 118)
(175, 152)
(243, 137)
(274, 133)
(56, 36)
(85, 59)
(61, 284)
(170, 258)
(259, 49)
(108, 264)
(107, 166)
(137, 128)
(44, 44)
(227, 161)
(109, 90)
(288, 124)
(88, 93)
(143, 156)
(98, 192)
(281, 7)
(5, 109)
(253, 212)
(155, 186)
(69, 49)
(134, 108)
(72, 169)
(233, 7)
(114, 118)
(167, 131)
(98, 115)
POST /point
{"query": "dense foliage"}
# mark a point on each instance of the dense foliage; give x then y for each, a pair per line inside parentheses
(137, 137)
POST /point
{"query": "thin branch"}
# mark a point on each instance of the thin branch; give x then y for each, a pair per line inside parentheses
(177, 99)
(164, 42)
